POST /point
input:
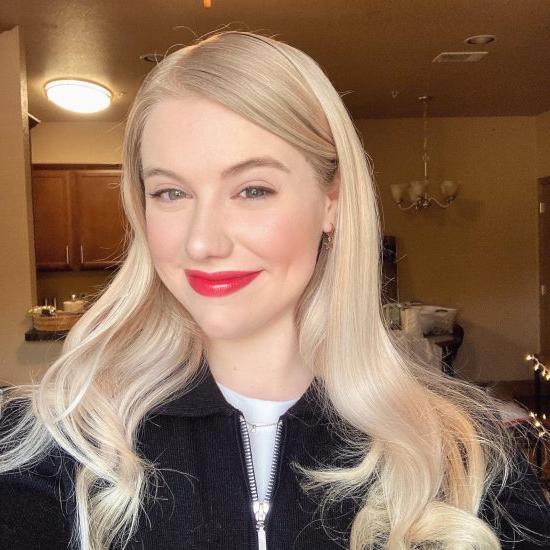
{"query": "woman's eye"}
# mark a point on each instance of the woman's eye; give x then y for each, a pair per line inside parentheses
(170, 192)
(257, 192)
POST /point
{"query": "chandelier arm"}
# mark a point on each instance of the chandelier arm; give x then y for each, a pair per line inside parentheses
(433, 199)
(399, 204)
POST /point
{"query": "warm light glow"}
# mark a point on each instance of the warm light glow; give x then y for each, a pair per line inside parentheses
(396, 191)
(418, 187)
(78, 95)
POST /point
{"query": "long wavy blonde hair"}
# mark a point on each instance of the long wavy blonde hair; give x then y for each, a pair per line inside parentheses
(425, 447)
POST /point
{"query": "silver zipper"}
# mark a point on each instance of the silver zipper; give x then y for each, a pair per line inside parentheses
(260, 509)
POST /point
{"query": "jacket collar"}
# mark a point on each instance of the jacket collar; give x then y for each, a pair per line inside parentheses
(205, 398)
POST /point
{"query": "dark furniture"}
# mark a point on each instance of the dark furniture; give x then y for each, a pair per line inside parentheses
(450, 344)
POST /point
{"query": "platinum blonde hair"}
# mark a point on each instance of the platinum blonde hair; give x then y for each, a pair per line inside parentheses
(404, 425)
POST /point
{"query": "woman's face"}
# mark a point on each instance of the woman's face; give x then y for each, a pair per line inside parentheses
(266, 216)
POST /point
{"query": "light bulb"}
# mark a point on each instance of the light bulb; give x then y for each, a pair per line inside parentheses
(396, 191)
(448, 188)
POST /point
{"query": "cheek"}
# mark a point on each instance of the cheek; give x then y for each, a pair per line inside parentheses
(286, 241)
(163, 237)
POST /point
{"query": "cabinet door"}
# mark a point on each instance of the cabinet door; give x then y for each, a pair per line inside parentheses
(98, 218)
(51, 212)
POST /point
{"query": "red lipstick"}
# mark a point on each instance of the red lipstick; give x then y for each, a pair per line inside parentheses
(219, 283)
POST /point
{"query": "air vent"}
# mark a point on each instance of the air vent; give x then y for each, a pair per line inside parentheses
(459, 57)
(152, 57)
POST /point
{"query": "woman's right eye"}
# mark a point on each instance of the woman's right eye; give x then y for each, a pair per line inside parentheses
(170, 192)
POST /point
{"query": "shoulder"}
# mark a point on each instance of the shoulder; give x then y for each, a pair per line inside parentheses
(36, 506)
(519, 511)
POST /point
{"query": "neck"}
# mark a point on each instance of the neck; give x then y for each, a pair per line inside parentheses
(265, 365)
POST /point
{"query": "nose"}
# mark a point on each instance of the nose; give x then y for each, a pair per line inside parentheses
(207, 234)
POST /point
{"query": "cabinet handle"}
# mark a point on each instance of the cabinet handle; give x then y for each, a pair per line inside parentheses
(81, 253)
(67, 254)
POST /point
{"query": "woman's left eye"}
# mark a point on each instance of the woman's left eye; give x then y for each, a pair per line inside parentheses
(257, 192)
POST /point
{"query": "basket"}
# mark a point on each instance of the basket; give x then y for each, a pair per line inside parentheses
(62, 320)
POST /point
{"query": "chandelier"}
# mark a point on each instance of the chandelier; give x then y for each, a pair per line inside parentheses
(418, 197)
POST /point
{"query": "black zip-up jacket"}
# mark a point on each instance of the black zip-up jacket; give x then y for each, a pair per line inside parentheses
(204, 498)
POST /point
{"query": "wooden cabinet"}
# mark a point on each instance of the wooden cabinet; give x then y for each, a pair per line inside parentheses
(79, 222)
(53, 242)
(98, 220)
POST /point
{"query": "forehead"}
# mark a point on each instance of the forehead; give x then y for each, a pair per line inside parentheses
(193, 127)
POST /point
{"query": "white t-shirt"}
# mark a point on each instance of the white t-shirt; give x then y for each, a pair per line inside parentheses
(262, 439)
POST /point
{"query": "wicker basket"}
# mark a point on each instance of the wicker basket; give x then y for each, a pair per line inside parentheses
(62, 320)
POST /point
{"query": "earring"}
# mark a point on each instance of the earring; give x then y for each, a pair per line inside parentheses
(327, 241)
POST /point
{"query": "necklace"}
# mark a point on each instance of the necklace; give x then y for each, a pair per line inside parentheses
(254, 426)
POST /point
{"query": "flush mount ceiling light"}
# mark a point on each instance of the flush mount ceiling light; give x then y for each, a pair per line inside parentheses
(79, 96)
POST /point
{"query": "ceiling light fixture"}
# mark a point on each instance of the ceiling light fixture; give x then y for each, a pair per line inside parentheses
(79, 96)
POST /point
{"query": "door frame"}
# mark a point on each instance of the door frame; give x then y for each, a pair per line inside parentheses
(543, 278)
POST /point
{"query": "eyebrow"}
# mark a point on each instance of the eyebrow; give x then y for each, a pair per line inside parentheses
(254, 162)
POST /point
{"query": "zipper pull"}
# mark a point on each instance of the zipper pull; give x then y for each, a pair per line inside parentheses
(260, 512)
(262, 544)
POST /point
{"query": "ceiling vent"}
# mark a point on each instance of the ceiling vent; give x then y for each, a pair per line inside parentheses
(459, 57)
(152, 57)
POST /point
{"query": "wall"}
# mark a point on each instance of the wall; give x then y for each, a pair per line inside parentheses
(77, 143)
(19, 360)
(480, 255)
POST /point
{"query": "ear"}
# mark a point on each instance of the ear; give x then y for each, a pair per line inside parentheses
(331, 203)
(334, 187)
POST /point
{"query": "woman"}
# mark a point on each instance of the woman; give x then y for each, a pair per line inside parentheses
(239, 155)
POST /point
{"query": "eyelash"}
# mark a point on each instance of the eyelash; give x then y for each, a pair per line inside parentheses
(157, 194)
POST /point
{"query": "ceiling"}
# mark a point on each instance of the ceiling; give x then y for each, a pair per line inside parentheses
(377, 53)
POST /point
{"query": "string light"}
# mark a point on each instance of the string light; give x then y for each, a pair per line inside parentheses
(538, 366)
(536, 421)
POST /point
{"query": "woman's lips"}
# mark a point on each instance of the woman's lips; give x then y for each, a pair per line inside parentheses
(220, 283)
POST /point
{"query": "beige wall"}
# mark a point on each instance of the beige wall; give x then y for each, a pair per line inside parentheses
(479, 256)
(77, 143)
(19, 360)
